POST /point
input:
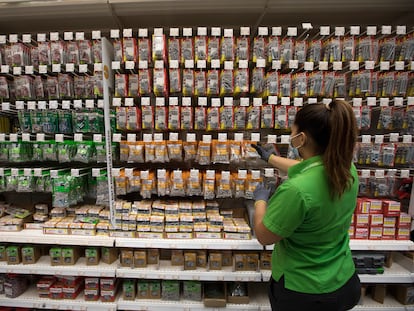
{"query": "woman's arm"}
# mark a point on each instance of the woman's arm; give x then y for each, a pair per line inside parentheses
(263, 235)
(281, 163)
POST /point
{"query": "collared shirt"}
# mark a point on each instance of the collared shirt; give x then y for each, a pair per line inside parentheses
(314, 254)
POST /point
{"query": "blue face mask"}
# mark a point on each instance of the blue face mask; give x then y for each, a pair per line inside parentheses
(293, 152)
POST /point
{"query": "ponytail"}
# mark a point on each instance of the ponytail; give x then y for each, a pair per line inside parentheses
(333, 128)
(338, 154)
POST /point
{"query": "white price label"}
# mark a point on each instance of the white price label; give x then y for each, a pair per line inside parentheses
(312, 100)
(17, 71)
(160, 101)
(369, 65)
(293, 64)
(325, 30)
(257, 102)
(354, 65)
(42, 68)
(407, 139)
(228, 65)
(66, 104)
(366, 139)
(215, 102)
(114, 34)
(78, 137)
(116, 102)
(339, 31)
(383, 66)
(323, 65)
(158, 137)
(74, 172)
(116, 137)
(31, 105)
(25, 137)
(298, 101)
(97, 67)
(127, 33)
(272, 100)
(129, 102)
(5, 68)
(173, 136)
(27, 38)
(14, 172)
(41, 105)
(131, 137)
(37, 172)
(5, 106)
(379, 173)
(357, 102)
(261, 63)
(41, 37)
(308, 66)
(147, 138)
(97, 138)
(191, 137)
(2, 137)
(244, 102)
(28, 70)
(215, 63)
(70, 67)
(379, 139)
(276, 64)
(186, 101)
(201, 64)
(116, 65)
(292, 31)
(272, 139)
(54, 36)
(365, 173)
(189, 63)
(285, 101)
(337, 65)
(243, 64)
(68, 35)
(222, 137)
(206, 138)
(276, 31)
(384, 102)
(238, 136)
(399, 65)
(83, 68)
(130, 65)
(371, 30)
(40, 137)
(13, 137)
(405, 174)
(386, 29)
(398, 101)
(56, 68)
(255, 137)
(394, 137)
(90, 103)
(285, 139)
(228, 101)
(371, 101)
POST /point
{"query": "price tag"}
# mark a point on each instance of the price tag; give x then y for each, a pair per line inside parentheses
(56, 68)
(293, 64)
(13, 137)
(369, 65)
(261, 63)
(97, 138)
(160, 101)
(337, 65)
(257, 102)
(271, 139)
(116, 102)
(401, 30)
(100, 103)
(312, 100)
(228, 101)
(207, 138)
(357, 102)
(127, 33)
(41, 37)
(78, 137)
(244, 102)
(298, 101)
(28, 70)
(129, 102)
(129, 65)
(74, 172)
(145, 101)
(354, 65)
(384, 102)
(174, 64)
(386, 29)
(285, 101)
(42, 68)
(14, 172)
(410, 101)
(407, 139)
(215, 63)
(40, 137)
(201, 64)
(31, 105)
(285, 139)
(173, 101)
(339, 31)
(116, 137)
(158, 137)
(17, 71)
(399, 65)
(371, 30)
(159, 64)
(96, 172)
(68, 35)
(365, 173)
(5, 106)
(83, 68)
(243, 64)
(366, 139)
(215, 102)
(323, 65)
(276, 64)
(27, 38)
(398, 101)
(255, 137)
(186, 101)
(66, 104)
(2, 137)
(242, 174)
(114, 33)
(308, 66)
(394, 137)
(90, 103)
(77, 103)
(25, 137)
(189, 63)
(54, 36)
(116, 65)
(272, 100)
(383, 66)
(325, 30)
(191, 137)
(292, 31)
(405, 173)
(173, 136)
(5, 68)
(131, 137)
(54, 173)
(379, 139)
(228, 65)
(222, 137)
(41, 105)
(97, 67)
(379, 173)
(238, 136)
(96, 34)
(142, 64)
(116, 172)
(371, 101)
(37, 172)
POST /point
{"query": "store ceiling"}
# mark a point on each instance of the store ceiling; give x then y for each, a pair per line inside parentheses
(18, 16)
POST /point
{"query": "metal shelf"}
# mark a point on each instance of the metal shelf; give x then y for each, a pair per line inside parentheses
(30, 299)
(43, 267)
(35, 236)
(166, 271)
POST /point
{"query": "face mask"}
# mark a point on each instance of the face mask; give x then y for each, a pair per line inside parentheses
(293, 152)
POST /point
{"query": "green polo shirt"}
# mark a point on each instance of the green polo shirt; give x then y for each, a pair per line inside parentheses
(314, 254)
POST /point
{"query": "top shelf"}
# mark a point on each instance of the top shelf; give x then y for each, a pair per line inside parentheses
(33, 236)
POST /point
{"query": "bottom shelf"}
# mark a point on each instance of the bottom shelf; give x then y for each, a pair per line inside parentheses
(258, 302)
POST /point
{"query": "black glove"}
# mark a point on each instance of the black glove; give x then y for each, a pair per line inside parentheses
(264, 154)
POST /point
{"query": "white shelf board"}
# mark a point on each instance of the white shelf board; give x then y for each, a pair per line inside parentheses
(35, 236)
(42, 266)
(165, 271)
(390, 304)
(376, 245)
(227, 244)
(395, 274)
(30, 299)
(181, 305)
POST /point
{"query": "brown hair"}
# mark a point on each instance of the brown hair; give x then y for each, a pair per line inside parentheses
(333, 129)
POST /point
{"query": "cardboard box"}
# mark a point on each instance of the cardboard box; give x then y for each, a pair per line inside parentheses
(265, 260)
(190, 260)
(227, 260)
(362, 220)
(91, 294)
(391, 208)
(3, 256)
(388, 233)
(375, 206)
(234, 290)
(55, 254)
(404, 221)
(170, 290)
(154, 289)
(153, 256)
(140, 259)
(192, 290)
(143, 289)
(127, 258)
(390, 221)
(376, 220)
(351, 231)
(362, 206)
(91, 283)
(128, 290)
(70, 255)
(109, 254)
(404, 293)
(375, 233)
(13, 255)
(30, 254)
(215, 260)
(92, 256)
(177, 257)
(361, 233)
(379, 292)
(402, 234)
(108, 284)
(215, 295)
(201, 258)
(108, 295)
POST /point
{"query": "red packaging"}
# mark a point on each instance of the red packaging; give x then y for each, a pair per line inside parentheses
(351, 232)
(391, 208)
(71, 281)
(108, 295)
(388, 233)
(56, 291)
(91, 283)
(375, 233)
(91, 294)
(403, 234)
(404, 221)
(362, 220)
(362, 206)
(108, 284)
(390, 221)
(375, 206)
(71, 292)
(361, 233)
(376, 220)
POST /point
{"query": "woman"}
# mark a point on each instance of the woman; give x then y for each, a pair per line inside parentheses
(309, 215)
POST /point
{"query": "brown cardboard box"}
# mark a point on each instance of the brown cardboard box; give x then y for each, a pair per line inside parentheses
(215, 295)
(140, 259)
(143, 289)
(13, 255)
(201, 258)
(109, 254)
(154, 289)
(190, 260)
(92, 256)
(70, 255)
(404, 293)
(379, 292)
(215, 261)
(128, 290)
(127, 258)
(30, 254)
(177, 257)
(153, 256)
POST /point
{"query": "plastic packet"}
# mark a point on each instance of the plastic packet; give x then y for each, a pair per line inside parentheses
(147, 184)
(200, 118)
(147, 117)
(242, 48)
(161, 118)
(385, 119)
(226, 83)
(133, 119)
(287, 49)
(160, 152)
(328, 84)
(213, 118)
(285, 85)
(160, 86)
(235, 151)
(257, 85)
(186, 118)
(159, 47)
(175, 150)
(194, 187)
(175, 80)
(273, 49)
(188, 82)
(118, 51)
(227, 49)
(209, 185)
(85, 152)
(85, 52)
(240, 117)
(398, 118)
(121, 118)
(272, 83)
(252, 181)
(57, 49)
(124, 151)
(204, 153)
(66, 151)
(223, 184)
(121, 183)
(213, 86)
(301, 47)
(163, 182)
(174, 49)
(121, 85)
(387, 155)
(365, 117)
(213, 47)
(4, 88)
(314, 51)
(241, 82)
(348, 49)
(50, 122)
(174, 118)
(145, 82)
(220, 152)
(178, 183)
(267, 117)
(24, 121)
(65, 86)
(190, 150)
(340, 85)
(401, 84)
(136, 152)
(133, 85)
(253, 118)
(315, 84)
(200, 83)
(226, 118)
(187, 49)
(248, 152)
(259, 48)
(300, 84)
(129, 46)
(200, 48)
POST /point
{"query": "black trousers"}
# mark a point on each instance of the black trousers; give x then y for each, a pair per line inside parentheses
(344, 298)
